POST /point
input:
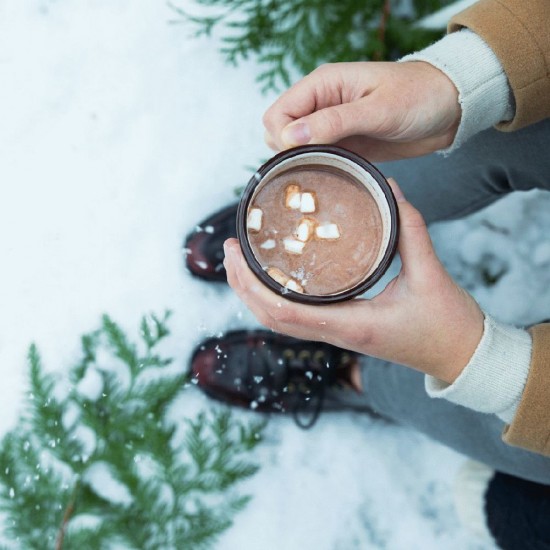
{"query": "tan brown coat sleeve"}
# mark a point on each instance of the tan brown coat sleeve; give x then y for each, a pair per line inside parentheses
(531, 426)
(518, 31)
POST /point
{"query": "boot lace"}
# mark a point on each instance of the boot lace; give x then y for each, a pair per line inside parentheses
(306, 380)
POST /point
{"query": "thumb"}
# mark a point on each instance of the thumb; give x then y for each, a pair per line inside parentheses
(415, 245)
(329, 125)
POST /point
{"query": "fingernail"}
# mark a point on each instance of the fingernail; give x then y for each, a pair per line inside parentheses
(297, 134)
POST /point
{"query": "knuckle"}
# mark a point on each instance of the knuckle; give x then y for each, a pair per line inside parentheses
(323, 69)
(388, 120)
(334, 122)
(403, 102)
(359, 339)
(415, 218)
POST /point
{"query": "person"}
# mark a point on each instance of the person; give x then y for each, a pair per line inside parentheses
(421, 353)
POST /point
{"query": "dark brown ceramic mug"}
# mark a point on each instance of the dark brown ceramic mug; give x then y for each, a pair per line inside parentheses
(318, 224)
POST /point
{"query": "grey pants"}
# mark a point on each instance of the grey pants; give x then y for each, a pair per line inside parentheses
(488, 167)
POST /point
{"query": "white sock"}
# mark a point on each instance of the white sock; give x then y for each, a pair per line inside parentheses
(471, 484)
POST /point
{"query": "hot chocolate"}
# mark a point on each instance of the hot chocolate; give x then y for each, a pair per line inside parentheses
(315, 231)
(318, 224)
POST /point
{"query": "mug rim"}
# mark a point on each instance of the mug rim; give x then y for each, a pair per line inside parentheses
(317, 299)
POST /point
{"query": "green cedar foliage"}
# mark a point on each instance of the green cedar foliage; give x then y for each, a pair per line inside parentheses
(288, 36)
(111, 468)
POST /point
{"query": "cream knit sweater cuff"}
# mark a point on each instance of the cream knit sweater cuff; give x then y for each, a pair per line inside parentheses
(483, 90)
(494, 379)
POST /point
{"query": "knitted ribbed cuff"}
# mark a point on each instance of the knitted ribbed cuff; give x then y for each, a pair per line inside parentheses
(483, 90)
(494, 379)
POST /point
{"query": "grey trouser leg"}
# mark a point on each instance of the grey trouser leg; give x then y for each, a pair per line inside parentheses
(485, 169)
(397, 393)
(489, 166)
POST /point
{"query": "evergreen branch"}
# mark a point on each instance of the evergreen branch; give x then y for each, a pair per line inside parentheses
(297, 36)
(160, 393)
(47, 412)
(174, 495)
(88, 344)
(120, 345)
(30, 493)
(251, 434)
(69, 510)
(153, 329)
(386, 13)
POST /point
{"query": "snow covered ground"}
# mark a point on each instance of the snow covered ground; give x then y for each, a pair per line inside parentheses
(117, 134)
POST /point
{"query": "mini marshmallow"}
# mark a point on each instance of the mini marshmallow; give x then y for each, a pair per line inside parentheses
(307, 203)
(277, 275)
(327, 231)
(305, 229)
(254, 221)
(293, 246)
(293, 196)
(294, 286)
(269, 244)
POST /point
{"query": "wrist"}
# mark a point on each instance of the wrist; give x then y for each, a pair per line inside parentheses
(443, 98)
(485, 96)
(495, 376)
(467, 335)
